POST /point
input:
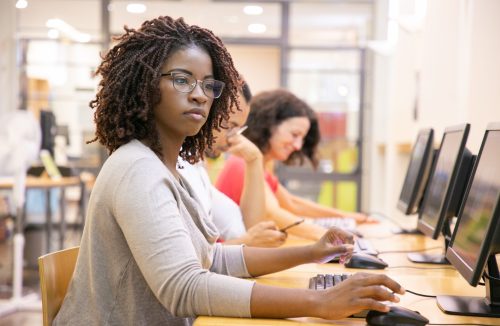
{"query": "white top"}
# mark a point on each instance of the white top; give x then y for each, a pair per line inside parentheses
(148, 254)
(223, 211)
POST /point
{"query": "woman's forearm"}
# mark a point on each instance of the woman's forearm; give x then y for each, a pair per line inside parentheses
(277, 302)
(359, 292)
(252, 202)
(305, 207)
(261, 261)
(312, 209)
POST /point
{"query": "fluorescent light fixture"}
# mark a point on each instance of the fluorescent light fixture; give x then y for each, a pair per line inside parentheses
(253, 10)
(343, 90)
(21, 4)
(68, 30)
(257, 28)
(81, 37)
(136, 8)
(53, 33)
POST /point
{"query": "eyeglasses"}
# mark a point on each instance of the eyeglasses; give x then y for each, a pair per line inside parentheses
(185, 84)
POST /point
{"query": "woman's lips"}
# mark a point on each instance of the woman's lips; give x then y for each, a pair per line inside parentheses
(197, 114)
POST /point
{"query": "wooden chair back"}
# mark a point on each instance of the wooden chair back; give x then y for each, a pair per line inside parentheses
(56, 270)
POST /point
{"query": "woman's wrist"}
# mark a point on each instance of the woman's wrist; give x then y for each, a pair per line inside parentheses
(314, 303)
(315, 253)
(255, 157)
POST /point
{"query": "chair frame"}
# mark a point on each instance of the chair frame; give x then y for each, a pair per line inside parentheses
(56, 271)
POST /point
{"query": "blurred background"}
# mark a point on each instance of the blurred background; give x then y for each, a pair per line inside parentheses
(375, 71)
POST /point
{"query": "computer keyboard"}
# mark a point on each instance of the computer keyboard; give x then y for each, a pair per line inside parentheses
(325, 281)
(346, 223)
(364, 246)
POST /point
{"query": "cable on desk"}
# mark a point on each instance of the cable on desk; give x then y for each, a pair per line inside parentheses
(407, 251)
(420, 294)
(486, 275)
(415, 267)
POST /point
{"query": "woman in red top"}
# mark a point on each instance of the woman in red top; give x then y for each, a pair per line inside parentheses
(285, 129)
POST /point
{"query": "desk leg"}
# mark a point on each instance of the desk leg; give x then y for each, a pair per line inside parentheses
(48, 218)
(62, 225)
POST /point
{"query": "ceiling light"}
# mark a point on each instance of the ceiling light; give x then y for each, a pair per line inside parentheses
(21, 4)
(343, 90)
(136, 8)
(257, 28)
(81, 37)
(68, 30)
(253, 10)
(53, 33)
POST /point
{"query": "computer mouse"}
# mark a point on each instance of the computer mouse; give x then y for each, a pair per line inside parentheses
(364, 261)
(397, 316)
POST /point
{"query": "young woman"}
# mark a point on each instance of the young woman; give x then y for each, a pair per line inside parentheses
(229, 218)
(285, 129)
(148, 254)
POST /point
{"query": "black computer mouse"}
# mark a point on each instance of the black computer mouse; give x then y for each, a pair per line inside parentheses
(364, 261)
(397, 316)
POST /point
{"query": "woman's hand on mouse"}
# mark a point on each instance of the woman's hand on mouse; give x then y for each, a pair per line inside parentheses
(333, 243)
(359, 292)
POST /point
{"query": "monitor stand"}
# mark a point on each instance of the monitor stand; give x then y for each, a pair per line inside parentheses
(476, 306)
(438, 259)
(399, 229)
(407, 231)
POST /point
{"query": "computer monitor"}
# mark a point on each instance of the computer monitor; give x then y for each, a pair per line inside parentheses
(49, 130)
(445, 190)
(476, 239)
(417, 173)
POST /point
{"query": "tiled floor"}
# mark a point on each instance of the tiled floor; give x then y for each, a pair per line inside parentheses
(30, 279)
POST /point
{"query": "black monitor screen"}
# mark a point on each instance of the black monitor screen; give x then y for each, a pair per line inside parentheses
(49, 129)
(472, 241)
(439, 190)
(417, 173)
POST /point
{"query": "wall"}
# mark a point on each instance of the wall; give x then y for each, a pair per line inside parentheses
(260, 65)
(8, 70)
(483, 102)
(456, 54)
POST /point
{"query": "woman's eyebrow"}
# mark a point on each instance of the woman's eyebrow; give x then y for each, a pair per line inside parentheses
(187, 72)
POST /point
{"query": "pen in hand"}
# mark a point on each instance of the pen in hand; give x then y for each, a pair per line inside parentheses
(240, 131)
(292, 225)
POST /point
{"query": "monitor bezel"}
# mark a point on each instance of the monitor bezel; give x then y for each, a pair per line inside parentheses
(473, 274)
(433, 231)
(412, 206)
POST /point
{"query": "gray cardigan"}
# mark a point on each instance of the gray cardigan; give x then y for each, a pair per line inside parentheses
(148, 254)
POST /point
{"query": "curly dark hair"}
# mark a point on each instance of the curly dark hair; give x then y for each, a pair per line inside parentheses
(269, 109)
(129, 89)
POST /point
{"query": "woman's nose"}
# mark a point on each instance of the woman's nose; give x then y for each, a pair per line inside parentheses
(197, 94)
(297, 144)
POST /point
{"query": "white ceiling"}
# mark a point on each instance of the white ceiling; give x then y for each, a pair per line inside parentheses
(310, 21)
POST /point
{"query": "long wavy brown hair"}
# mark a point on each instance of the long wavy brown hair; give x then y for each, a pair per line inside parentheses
(268, 110)
(129, 88)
